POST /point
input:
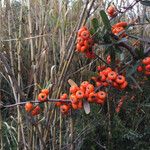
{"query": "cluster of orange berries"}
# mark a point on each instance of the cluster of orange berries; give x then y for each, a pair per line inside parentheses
(79, 93)
(85, 42)
(112, 11)
(145, 67)
(119, 28)
(35, 110)
(107, 77)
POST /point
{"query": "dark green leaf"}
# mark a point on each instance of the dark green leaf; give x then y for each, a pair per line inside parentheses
(105, 20)
(146, 3)
(95, 24)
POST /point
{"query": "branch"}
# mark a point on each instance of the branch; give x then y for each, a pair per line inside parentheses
(23, 103)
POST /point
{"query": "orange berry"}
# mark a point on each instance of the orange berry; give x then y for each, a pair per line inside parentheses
(74, 89)
(42, 97)
(73, 98)
(111, 9)
(81, 30)
(139, 68)
(79, 94)
(83, 48)
(147, 67)
(85, 34)
(120, 79)
(98, 83)
(82, 88)
(118, 30)
(88, 42)
(28, 106)
(112, 75)
(46, 91)
(92, 97)
(146, 61)
(78, 47)
(114, 84)
(102, 76)
(100, 101)
(90, 88)
(64, 108)
(120, 24)
(64, 96)
(108, 59)
(58, 104)
(84, 84)
(80, 41)
(74, 106)
(106, 71)
(101, 95)
(124, 85)
(36, 111)
(80, 105)
(105, 84)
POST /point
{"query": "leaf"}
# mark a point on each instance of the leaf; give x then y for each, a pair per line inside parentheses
(72, 83)
(95, 24)
(146, 3)
(86, 106)
(105, 20)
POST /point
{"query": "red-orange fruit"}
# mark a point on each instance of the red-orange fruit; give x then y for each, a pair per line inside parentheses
(80, 105)
(64, 108)
(42, 97)
(79, 94)
(73, 98)
(120, 79)
(101, 95)
(139, 68)
(78, 47)
(80, 41)
(63, 96)
(112, 75)
(85, 34)
(102, 76)
(46, 91)
(28, 106)
(74, 106)
(36, 111)
(147, 67)
(74, 89)
(90, 88)
(84, 84)
(124, 85)
(146, 61)
(92, 97)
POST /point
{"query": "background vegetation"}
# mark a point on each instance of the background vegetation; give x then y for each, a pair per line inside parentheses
(37, 47)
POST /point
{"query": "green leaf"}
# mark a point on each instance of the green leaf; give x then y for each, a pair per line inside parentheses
(95, 24)
(146, 3)
(105, 20)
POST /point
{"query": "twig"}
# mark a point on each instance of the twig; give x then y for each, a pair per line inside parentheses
(48, 100)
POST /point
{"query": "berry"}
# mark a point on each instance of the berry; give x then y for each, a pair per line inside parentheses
(46, 91)
(42, 97)
(74, 89)
(28, 106)
(112, 75)
(64, 108)
(139, 68)
(80, 94)
(146, 61)
(101, 95)
(120, 79)
(36, 111)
